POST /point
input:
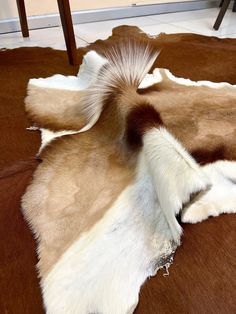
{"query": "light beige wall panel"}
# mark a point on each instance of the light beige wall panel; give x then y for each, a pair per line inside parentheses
(8, 8)
(145, 2)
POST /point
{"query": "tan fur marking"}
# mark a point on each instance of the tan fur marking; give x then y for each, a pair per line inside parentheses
(197, 116)
(59, 206)
(55, 109)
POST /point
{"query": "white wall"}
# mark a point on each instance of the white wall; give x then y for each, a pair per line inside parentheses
(8, 8)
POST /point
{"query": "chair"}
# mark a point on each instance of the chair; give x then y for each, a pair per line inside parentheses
(224, 6)
(66, 21)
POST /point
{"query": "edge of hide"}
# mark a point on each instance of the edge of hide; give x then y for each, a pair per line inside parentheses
(188, 82)
(92, 63)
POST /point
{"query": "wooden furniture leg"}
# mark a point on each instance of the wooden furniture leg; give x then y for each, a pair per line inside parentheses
(67, 25)
(234, 6)
(23, 18)
(66, 21)
(221, 14)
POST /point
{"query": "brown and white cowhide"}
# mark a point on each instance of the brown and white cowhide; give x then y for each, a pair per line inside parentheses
(103, 202)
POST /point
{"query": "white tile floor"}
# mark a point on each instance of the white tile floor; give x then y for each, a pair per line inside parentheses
(200, 22)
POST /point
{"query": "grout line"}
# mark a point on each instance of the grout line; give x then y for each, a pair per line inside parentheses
(81, 38)
(152, 21)
(230, 35)
(203, 33)
(177, 26)
(186, 28)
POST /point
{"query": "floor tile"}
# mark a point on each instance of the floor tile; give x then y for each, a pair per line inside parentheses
(49, 37)
(101, 30)
(185, 16)
(154, 30)
(230, 35)
(200, 21)
(205, 25)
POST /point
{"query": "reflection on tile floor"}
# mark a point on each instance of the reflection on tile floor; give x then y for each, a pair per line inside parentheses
(199, 21)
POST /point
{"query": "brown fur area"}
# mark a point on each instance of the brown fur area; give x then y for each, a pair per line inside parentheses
(139, 120)
(19, 167)
(205, 156)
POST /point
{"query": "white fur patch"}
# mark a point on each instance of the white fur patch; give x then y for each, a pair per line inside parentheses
(175, 173)
(188, 82)
(151, 79)
(58, 81)
(47, 136)
(92, 63)
(220, 198)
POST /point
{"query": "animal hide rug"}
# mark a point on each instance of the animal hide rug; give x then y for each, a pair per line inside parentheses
(123, 153)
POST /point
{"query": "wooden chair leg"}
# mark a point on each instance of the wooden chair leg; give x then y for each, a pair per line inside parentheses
(221, 14)
(23, 18)
(67, 25)
(234, 6)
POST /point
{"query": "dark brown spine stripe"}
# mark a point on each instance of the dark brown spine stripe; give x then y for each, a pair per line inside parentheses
(205, 156)
(139, 120)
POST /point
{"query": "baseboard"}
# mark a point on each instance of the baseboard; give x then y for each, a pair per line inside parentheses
(52, 20)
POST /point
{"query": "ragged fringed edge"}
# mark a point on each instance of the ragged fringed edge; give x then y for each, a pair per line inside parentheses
(165, 260)
(47, 136)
